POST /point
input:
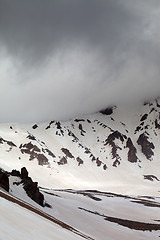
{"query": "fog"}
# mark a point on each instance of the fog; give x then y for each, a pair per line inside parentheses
(61, 59)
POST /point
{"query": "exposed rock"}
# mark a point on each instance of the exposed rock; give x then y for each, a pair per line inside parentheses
(115, 135)
(146, 146)
(42, 159)
(4, 180)
(67, 152)
(152, 110)
(157, 104)
(132, 157)
(93, 158)
(98, 162)
(58, 124)
(10, 143)
(59, 127)
(71, 134)
(33, 192)
(30, 187)
(35, 126)
(116, 163)
(151, 177)
(144, 117)
(50, 153)
(87, 150)
(31, 137)
(138, 128)
(107, 111)
(24, 173)
(110, 141)
(29, 148)
(157, 125)
(79, 120)
(79, 160)
(15, 173)
(62, 161)
(81, 129)
(49, 125)
(104, 166)
(146, 103)
(34, 152)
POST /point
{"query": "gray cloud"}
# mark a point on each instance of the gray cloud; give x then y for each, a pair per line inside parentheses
(42, 27)
(60, 59)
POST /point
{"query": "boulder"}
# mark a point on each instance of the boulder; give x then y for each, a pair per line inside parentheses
(24, 173)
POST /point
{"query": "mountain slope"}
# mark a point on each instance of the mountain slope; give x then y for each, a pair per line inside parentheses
(86, 214)
(19, 222)
(113, 154)
(118, 147)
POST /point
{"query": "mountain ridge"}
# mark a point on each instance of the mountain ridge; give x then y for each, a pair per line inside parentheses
(96, 176)
(88, 151)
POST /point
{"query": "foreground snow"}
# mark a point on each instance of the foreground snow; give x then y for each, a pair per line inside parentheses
(17, 223)
(87, 212)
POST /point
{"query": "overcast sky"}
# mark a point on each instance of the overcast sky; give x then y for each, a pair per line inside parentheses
(65, 58)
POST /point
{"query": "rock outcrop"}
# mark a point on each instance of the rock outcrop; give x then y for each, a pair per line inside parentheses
(31, 188)
(4, 180)
(132, 157)
(107, 111)
(146, 146)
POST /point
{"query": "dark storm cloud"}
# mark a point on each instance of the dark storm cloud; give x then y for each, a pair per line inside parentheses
(34, 28)
(62, 58)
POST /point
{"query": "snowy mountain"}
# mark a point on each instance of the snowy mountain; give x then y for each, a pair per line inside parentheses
(98, 174)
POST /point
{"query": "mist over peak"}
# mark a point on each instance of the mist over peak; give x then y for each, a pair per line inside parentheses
(64, 59)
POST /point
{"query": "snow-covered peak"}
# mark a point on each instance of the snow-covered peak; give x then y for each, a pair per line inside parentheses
(116, 149)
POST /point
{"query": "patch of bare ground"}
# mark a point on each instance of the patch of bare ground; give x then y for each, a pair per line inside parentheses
(95, 195)
(87, 195)
(141, 226)
(147, 203)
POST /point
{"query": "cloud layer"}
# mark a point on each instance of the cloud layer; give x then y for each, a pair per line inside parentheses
(60, 59)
